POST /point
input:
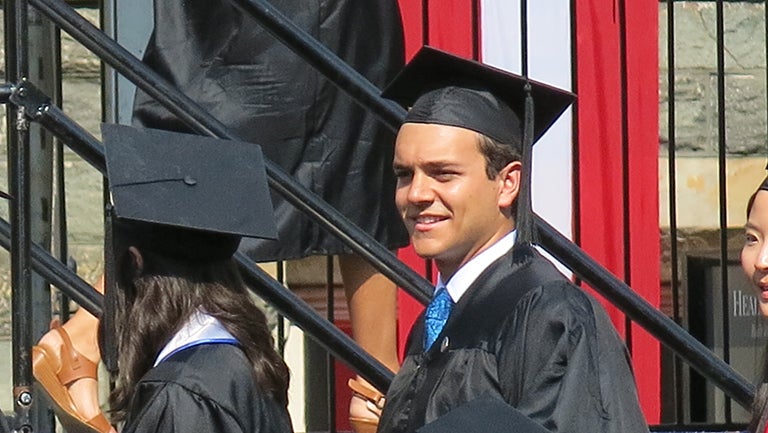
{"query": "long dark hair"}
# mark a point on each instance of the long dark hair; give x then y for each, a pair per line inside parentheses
(154, 302)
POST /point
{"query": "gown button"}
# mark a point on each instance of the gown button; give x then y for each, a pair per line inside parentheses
(444, 344)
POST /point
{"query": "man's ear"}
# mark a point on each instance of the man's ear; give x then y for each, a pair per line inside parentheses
(137, 260)
(509, 178)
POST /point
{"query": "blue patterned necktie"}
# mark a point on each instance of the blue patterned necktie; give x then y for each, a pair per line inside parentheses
(437, 314)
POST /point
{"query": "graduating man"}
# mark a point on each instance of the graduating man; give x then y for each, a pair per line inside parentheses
(503, 320)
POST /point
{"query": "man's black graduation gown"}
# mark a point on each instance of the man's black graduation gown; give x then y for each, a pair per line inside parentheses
(205, 388)
(525, 333)
(264, 93)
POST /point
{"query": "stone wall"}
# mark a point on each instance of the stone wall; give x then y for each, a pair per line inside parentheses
(696, 84)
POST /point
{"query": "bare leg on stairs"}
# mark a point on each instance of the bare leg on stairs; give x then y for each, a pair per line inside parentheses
(372, 301)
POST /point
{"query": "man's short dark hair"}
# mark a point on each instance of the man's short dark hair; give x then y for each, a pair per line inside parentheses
(497, 155)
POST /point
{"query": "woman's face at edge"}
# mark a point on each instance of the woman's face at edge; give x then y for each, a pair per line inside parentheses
(754, 254)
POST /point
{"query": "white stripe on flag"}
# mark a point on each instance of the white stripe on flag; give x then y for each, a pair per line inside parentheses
(549, 53)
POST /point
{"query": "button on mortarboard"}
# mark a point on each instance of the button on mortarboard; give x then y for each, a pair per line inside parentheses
(183, 192)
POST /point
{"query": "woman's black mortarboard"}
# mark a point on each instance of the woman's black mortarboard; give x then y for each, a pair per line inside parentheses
(444, 89)
(187, 196)
(183, 196)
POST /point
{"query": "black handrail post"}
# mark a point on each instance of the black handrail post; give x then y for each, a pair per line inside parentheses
(723, 183)
(677, 367)
(21, 275)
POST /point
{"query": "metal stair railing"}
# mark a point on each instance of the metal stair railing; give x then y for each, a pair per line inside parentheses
(38, 107)
(605, 283)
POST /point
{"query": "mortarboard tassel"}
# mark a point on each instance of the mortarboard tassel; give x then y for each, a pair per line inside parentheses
(108, 330)
(526, 228)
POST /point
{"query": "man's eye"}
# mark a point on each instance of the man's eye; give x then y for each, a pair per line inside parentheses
(444, 175)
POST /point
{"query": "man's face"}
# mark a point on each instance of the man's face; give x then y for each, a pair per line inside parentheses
(451, 209)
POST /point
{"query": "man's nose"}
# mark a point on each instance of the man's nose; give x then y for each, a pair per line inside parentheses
(420, 189)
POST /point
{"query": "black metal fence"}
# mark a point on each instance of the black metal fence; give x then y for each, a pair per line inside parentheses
(713, 154)
(28, 104)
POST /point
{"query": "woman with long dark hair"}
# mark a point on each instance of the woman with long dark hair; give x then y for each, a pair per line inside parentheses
(164, 300)
(754, 261)
(193, 351)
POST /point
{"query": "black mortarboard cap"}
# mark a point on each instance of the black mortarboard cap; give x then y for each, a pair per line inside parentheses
(445, 89)
(186, 196)
(442, 88)
(485, 414)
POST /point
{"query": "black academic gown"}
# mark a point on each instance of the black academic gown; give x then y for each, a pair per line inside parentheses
(524, 333)
(264, 93)
(206, 388)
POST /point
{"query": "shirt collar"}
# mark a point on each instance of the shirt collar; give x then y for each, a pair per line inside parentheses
(200, 328)
(468, 273)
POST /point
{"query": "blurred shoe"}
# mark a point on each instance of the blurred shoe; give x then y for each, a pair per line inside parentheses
(373, 402)
(54, 381)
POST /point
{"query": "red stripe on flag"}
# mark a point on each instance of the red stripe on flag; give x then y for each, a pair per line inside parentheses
(601, 226)
(451, 26)
(644, 237)
(413, 15)
(599, 187)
